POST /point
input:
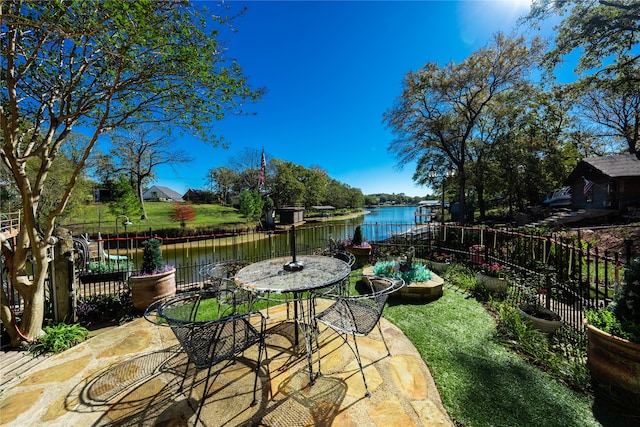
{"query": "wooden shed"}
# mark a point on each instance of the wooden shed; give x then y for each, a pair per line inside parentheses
(291, 215)
(606, 182)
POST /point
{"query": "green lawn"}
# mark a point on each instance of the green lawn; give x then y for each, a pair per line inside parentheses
(480, 381)
(158, 217)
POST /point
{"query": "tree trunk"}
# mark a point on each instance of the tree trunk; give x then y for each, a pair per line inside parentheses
(461, 197)
(31, 291)
(144, 210)
(481, 206)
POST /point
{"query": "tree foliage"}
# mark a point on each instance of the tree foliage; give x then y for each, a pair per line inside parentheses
(182, 213)
(605, 32)
(251, 204)
(138, 153)
(99, 65)
(439, 111)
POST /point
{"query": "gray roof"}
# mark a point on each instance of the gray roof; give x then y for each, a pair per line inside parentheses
(623, 165)
(169, 193)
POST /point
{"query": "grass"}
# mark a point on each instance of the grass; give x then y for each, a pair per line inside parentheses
(158, 217)
(481, 382)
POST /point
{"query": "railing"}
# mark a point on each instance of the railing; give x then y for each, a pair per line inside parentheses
(573, 277)
(579, 277)
(10, 223)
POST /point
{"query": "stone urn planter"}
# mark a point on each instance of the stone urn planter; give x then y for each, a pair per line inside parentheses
(492, 284)
(438, 267)
(548, 323)
(614, 363)
(151, 288)
(361, 253)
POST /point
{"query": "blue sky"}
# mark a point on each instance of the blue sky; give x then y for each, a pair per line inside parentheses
(331, 70)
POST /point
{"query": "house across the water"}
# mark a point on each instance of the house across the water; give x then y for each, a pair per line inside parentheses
(609, 183)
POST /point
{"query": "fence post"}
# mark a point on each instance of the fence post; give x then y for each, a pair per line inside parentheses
(63, 277)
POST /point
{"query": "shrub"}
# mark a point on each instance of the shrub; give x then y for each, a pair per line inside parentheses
(152, 262)
(59, 338)
(416, 273)
(622, 317)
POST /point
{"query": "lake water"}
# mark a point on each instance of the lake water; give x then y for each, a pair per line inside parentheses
(391, 215)
(383, 222)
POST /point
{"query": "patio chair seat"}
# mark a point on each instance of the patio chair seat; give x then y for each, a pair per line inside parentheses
(223, 335)
(358, 315)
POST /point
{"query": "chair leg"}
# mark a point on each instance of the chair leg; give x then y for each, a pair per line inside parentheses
(204, 395)
(357, 353)
(383, 340)
(184, 376)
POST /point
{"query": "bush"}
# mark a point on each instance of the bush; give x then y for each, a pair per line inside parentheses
(59, 338)
(622, 317)
(105, 309)
(152, 262)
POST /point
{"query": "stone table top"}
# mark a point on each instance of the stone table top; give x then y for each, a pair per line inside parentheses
(270, 276)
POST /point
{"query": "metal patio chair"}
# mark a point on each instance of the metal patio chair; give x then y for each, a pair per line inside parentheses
(358, 315)
(210, 333)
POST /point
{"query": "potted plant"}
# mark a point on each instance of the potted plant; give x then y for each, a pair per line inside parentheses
(359, 247)
(438, 261)
(107, 271)
(476, 254)
(533, 311)
(613, 338)
(155, 281)
(491, 277)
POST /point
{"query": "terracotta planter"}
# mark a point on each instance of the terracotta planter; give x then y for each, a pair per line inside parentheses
(492, 284)
(544, 325)
(148, 289)
(615, 367)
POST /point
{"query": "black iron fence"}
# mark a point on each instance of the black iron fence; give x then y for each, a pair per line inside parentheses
(569, 276)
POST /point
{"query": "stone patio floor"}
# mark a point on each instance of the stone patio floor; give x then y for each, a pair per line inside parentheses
(130, 375)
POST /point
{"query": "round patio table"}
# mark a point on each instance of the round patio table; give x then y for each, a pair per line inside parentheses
(317, 272)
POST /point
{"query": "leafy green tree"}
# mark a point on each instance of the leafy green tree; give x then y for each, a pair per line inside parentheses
(316, 182)
(221, 180)
(286, 186)
(123, 198)
(251, 204)
(605, 33)
(438, 112)
(613, 106)
(139, 152)
(100, 65)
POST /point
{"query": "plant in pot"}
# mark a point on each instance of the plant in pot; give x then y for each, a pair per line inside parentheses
(107, 271)
(613, 338)
(534, 309)
(439, 261)
(421, 283)
(492, 277)
(359, 247)
(155, 281)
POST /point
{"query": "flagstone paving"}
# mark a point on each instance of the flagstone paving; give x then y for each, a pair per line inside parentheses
(131, 375)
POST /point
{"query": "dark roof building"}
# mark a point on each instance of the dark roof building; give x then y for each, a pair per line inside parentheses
(606, 182)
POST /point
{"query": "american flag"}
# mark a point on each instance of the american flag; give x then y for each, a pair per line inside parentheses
(587, 186)
(263, 167)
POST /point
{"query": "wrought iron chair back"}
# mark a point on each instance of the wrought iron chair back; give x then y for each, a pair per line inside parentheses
(358, 315)
(209, 332)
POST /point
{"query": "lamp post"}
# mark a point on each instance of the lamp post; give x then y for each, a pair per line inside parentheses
(124, 223)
